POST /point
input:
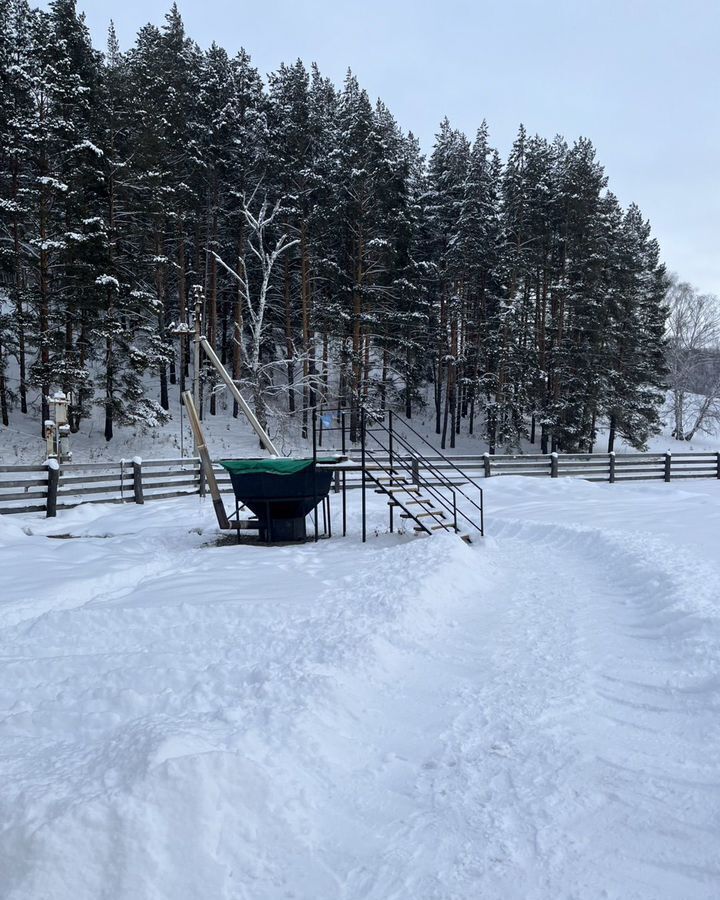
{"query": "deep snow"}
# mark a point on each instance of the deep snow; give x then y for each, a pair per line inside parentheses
(532, 716)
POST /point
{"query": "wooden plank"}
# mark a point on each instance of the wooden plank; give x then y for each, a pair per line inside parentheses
(529, 474)
(36, 482)
(504, 456)
(89, 467)
(7, 511)
(114, 465)
(660, 477)
(639, 473)
(582, 473)
(169, 494)
(161, 496)
(711, 470)
(9, 498)
(191, 461)
(13, 469)
(128, 488)
(149, 477)
(522, 472)
(205, 457)
(153, 485)
(505, 467)
(80, 491)
(90, 479)
(689, 464)
(93, 500)
(640, 457)
(511, 464)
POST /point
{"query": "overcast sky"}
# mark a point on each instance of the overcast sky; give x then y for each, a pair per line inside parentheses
(640, 78)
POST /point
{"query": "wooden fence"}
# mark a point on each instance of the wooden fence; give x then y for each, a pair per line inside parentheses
(26, 489)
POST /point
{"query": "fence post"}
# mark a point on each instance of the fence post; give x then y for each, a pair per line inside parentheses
(718, 464)
(336, 488)
(53, 468)
(416, 470)
(137, 480)
(553, 465)
(668, 462)
(486, 464)
(612, 467)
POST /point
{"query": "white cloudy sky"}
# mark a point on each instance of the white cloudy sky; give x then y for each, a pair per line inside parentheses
(638, 77)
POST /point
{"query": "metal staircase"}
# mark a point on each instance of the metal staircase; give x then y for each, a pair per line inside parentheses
(414, 484)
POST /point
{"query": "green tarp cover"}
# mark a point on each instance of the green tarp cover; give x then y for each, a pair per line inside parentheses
(271, 466)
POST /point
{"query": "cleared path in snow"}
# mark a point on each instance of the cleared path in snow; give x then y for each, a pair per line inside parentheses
(555, 737)
(532, 717)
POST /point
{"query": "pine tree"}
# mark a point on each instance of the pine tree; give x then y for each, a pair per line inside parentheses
(521, 293)
(447, 175)
(480, 229)
(636, 381)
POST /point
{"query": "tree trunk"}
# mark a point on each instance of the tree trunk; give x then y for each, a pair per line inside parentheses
(44, 313)
(212, 317)
(308, 347)
(4, 416)
(289, 343)
(182, 309)
(326, 364)
(238, 330)
(108, 389)
(679, 405)
(18, 280)
(446, 412)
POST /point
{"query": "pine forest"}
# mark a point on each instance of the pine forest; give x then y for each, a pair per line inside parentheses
(510, 298)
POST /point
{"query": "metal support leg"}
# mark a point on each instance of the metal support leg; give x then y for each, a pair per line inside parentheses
(344, 503)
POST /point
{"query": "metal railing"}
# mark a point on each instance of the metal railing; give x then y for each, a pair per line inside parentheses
(415, 464)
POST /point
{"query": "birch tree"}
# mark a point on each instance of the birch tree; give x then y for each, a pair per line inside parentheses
(255, 293)
(693, 359)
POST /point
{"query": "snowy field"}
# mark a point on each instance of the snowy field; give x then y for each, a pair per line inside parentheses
(533, 716)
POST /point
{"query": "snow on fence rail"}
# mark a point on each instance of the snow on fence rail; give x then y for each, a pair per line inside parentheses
(46, 489)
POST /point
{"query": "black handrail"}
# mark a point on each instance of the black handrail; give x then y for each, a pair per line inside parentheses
(430, 488)
(390, 471)
(436, 472)
(441, 455)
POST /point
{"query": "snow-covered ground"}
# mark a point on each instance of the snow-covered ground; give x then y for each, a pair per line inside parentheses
(533, 716)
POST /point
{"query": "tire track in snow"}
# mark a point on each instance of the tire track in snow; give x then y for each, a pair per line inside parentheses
(531, 718)
(565, 732)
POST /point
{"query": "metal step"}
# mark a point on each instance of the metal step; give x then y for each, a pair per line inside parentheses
(436, 514)
(244, 525)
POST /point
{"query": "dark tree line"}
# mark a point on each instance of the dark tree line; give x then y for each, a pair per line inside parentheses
(518, 295)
